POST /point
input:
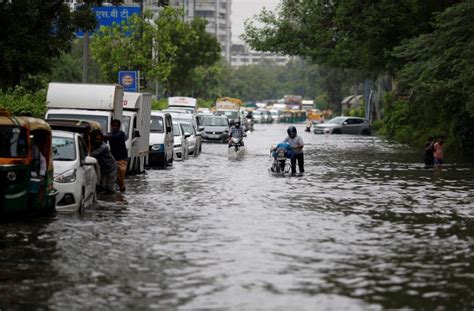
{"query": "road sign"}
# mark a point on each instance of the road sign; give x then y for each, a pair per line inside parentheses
(107, 15)
(129, 80)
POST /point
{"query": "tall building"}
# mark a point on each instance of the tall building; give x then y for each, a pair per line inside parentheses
(242, 55)
(217, 13)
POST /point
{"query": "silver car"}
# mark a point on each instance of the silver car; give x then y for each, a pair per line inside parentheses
(344, 125)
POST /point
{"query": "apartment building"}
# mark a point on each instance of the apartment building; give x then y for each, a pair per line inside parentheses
(217, 13)
(241, 55)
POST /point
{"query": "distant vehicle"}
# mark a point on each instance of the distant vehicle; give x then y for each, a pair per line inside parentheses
(344, 125)
(181, 147)
(194, 140)
(258, 116)
(75, 175)
(197, 130)
(229, 107)
(187, 104)
(276, 115)
(161, 139)
(216, 128)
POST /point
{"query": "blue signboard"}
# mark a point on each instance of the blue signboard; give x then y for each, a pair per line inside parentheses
(129, 80)
(107, 15)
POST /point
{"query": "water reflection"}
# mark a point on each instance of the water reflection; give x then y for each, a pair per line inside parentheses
(366, 227)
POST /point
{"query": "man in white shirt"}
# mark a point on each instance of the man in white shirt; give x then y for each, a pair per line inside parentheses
(296, 142)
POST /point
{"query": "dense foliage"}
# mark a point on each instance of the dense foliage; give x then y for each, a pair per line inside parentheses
(20, 101)
(438, 73)
(34, 33)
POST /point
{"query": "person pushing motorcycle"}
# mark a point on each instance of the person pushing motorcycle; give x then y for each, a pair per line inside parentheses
(296, 142)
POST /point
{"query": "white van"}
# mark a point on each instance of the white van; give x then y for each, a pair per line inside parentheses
(136, 125)
(81, 101)
(161, 139)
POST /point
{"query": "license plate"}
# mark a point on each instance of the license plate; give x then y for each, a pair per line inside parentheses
(214, 136)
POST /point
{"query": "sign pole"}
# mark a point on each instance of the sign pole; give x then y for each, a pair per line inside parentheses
(85, 58)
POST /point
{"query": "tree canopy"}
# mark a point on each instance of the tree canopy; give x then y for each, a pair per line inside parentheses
(167, 49)
(346, 33)
(34, 33)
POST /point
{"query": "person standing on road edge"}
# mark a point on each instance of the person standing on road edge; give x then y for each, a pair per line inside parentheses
(116, 139)
(429, 149)
(107, 164)
(438, 153)
(296, 142)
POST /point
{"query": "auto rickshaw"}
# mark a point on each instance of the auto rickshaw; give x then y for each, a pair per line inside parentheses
(23, 190)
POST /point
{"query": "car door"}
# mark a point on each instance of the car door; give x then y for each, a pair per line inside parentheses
(88, 171)
(169, 138)
(348, 126)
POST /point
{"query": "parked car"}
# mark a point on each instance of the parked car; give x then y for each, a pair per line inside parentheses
(216, 128)
(258, 116)
(161, 139)
(196, 130)
(344, 125)
(181, 147)
(75, 175)
(194, 139)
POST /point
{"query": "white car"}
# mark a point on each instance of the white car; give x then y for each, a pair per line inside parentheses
(194, 139)
(75, 176)
(181, 149)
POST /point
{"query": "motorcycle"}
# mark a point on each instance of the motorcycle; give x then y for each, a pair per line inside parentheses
(236, 143)
(281, 153)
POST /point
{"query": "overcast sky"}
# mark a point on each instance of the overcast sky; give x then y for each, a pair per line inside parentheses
(243, 9)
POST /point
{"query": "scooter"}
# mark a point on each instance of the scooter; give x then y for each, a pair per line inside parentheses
(236, 143)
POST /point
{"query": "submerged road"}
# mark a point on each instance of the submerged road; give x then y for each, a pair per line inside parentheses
(366, 227)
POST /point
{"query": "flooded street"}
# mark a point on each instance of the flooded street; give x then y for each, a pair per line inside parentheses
(366, 227)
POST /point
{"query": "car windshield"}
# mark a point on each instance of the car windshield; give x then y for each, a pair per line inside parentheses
(215, 122)
(187, 128)
(64, 149)
(13, 142)
(101, 119)
(337, 120)
(176, 129)
(156, 124)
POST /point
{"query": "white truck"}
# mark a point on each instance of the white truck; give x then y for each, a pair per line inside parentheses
(228, 108)
(136, 125)
(81, 101)
(188, 104)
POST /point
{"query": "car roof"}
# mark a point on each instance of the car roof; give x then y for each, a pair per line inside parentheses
(159, 113)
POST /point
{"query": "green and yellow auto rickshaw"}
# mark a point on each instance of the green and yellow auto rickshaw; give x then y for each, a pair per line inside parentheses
(26, 167)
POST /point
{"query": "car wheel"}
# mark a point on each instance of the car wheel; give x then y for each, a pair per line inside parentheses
(336, 131)
(365, 132)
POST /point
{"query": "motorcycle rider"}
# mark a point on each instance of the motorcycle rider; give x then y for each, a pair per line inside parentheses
(296, 142)
(236, 131)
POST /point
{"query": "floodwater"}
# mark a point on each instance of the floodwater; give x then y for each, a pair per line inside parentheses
(366, 227)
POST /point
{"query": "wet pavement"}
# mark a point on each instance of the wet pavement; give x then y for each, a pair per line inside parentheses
(366, 227)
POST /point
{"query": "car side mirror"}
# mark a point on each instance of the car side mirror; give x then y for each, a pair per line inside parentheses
(89, 161)
(187, 135)
(344, 123)
(201, 128)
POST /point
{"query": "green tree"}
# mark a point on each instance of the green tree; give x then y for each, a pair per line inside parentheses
(439, 76)
(346, 33)
(167, 50)
(33, 34)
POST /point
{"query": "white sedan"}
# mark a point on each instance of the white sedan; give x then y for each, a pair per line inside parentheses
(181, 146)
(75, 175)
